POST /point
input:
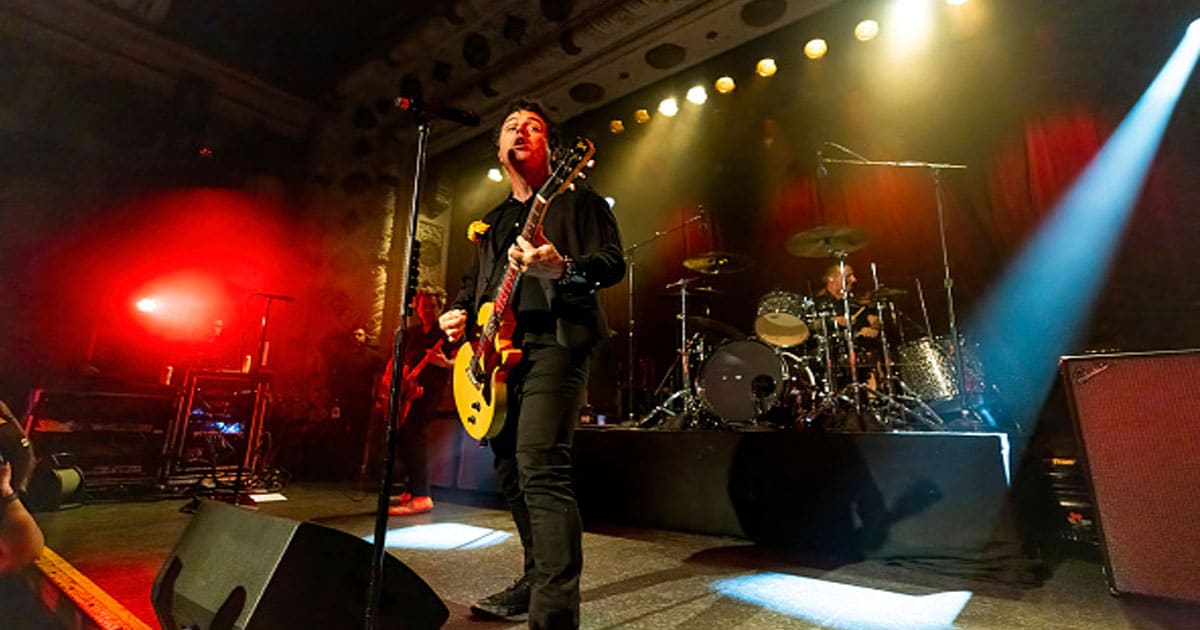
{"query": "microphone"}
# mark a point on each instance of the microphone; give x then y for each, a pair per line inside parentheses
(277, 296)
(821, 170)
(430, 110)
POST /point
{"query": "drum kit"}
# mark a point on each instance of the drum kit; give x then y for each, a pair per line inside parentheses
(803, 368)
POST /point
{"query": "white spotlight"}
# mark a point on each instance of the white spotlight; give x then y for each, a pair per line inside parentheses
(668, 107)
(697, 95)
(612, 203)
(910, 22)
(494, 175)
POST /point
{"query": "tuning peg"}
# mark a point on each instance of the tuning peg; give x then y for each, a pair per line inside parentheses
(591, 163)
(582, 174)
(571, 186)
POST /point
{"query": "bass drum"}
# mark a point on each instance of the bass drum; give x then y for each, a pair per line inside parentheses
(742, 380)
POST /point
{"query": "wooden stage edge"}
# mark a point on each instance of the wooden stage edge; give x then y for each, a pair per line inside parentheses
(75, 601)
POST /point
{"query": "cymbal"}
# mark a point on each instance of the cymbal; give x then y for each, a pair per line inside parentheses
(699, 292)
(826, 240)
(887, 293)
(716, 327)
(715, 263)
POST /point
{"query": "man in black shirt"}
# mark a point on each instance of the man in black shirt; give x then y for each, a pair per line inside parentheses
(865, 323)
(558, 322)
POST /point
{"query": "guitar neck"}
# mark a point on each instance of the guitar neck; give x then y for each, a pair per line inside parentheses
(504, 293)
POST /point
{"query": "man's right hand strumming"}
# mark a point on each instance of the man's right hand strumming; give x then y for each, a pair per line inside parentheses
(453, 323)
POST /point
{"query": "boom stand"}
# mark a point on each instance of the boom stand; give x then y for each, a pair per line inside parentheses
(948, 281)
(375, 593)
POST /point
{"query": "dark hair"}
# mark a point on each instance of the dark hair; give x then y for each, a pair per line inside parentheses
(435, 293)
(526, 104)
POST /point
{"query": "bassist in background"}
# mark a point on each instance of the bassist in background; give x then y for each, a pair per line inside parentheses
(558, 322)
(426, 372)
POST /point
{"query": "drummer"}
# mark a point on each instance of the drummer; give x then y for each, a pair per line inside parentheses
(866, 323)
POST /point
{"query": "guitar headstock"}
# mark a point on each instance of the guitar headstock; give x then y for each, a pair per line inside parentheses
(569, 167)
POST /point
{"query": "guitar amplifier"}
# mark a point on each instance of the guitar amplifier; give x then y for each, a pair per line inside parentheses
(1137, 418)
(115, 437)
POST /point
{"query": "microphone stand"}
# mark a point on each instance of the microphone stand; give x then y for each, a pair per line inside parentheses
(935, 170)
(375, 589)
(630, 264)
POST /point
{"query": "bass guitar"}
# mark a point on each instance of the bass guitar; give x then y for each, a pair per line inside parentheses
(482, 366)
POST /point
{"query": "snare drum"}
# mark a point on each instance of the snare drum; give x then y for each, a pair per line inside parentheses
(781, 318)
(742, 380)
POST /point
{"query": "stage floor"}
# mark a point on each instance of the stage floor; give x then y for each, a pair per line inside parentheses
(633, 578)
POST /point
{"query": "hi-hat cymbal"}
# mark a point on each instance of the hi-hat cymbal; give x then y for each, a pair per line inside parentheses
(714, 263)
(826, 241)
(699, 292)
(714, 327)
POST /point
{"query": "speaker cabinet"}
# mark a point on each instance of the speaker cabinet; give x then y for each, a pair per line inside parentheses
(239, 570)
(1137, 418)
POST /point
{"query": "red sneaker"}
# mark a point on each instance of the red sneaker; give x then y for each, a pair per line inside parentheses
(417, 505)
(403, 498)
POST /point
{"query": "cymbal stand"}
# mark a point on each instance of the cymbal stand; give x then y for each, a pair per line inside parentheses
(883, 339)
(631, 266)
(685, 393)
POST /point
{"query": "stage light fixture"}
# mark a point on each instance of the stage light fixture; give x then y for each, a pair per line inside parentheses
(495, 175)
(816, 48)
(909, 23)
(147, 305)
(766, 67)
(616, 126)
(725, 85)
(641, 116)
(668, 107)
(697, 95)
(866, 30)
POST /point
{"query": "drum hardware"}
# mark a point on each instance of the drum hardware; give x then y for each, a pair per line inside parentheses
(781, 319)
(721, 330)
(717, 263)
(825, 241)
(684, 397)
(630, 274)
(935, 170)
(696, 292)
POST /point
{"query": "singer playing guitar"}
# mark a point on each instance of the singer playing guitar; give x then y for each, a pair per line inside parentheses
(557, 323)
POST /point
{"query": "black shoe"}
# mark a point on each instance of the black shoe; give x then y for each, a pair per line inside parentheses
(511, 604)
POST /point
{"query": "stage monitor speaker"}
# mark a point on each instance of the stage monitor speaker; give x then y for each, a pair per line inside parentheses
(234, 569)
(1137, 418)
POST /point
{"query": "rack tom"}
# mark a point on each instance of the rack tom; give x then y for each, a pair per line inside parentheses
(781, 318)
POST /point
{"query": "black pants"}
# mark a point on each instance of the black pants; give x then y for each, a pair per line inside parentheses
(533, 464)
(413, 457)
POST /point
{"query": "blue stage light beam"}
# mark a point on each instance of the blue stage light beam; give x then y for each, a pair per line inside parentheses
(442, 536)
(1038, 310)
(845, 606)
